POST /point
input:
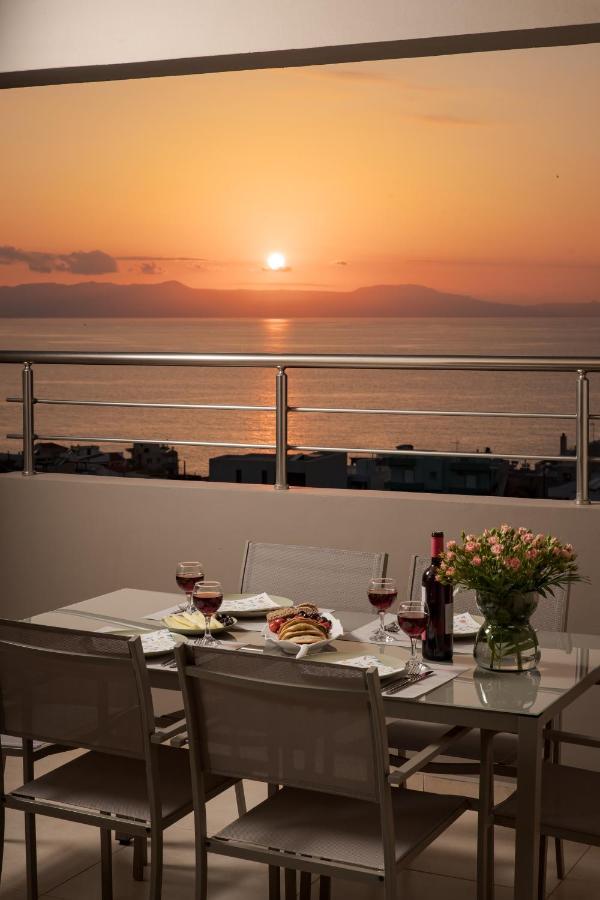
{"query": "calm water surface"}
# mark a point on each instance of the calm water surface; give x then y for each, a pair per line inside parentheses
(401, 390)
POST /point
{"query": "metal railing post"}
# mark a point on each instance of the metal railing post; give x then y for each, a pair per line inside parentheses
(583, 438)
(281, 435)
(28, 420)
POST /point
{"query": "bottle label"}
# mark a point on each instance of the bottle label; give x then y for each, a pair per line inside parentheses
(437, 545)
(449, 626)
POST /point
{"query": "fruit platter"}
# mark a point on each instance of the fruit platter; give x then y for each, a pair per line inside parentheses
(301, 629)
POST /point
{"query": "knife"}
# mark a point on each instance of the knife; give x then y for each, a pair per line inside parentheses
(396, 686)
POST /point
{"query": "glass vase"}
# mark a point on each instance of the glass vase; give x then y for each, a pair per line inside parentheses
(507, 642)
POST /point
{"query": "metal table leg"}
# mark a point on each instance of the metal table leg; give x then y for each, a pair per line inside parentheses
(529, 783)
(485, 821)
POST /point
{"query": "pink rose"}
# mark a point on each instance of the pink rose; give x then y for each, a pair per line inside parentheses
(493, 539)
(505, 529)
(471, 537)
(522, 530)
(557, 551)
(496, 549)
(451, 544)
(531, 554)
(528, 538)
(567, 554)
(513, 562)
(450, 554)
(476, 560)
(539, 538)
(470, 546)
(450, 570)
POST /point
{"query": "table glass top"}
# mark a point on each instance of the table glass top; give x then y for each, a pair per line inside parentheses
(567, 659)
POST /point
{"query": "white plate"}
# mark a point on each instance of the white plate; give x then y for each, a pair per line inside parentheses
(465, 626)
(154, 643)
(193, 623)
(238, 604)
(300, 650)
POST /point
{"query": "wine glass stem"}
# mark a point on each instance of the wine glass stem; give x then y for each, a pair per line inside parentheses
(190, 606)
(382, 620)
(413, 650)
(206, 626)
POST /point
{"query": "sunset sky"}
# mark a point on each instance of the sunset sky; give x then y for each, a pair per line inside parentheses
(476, 173)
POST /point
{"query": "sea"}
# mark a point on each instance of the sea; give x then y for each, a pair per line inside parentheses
(466, 391)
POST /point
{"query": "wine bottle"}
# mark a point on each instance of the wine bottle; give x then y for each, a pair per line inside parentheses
(438, 640)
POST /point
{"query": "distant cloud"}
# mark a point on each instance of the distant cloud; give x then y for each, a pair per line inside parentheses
(161, 258)
(445, 119)
(354, 75)
(147, 268)
(80, 262)
(339, 262)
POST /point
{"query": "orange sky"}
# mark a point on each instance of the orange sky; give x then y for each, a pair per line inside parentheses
(475, 173)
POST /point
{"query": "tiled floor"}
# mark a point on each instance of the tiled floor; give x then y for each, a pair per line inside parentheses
(68, 860)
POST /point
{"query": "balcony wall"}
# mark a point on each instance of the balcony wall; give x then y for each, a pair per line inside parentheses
(66, 538)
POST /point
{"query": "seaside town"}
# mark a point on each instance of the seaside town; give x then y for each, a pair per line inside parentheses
(484, 475)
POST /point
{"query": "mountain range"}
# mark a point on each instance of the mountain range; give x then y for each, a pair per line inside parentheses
(174, 299)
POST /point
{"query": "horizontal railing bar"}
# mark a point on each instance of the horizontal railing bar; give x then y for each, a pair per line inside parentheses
(45, 401)
(138, 440)
(431, 412)
(304, 360)
(376, 451)
(298, 448)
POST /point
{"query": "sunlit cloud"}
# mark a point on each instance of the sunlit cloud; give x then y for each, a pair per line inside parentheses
(147, 268)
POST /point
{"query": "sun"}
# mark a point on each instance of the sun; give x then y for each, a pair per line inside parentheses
(276, 262)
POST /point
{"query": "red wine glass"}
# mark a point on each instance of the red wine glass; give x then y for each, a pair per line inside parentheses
(186, 576)
(207, 597)
(382, 594)
(412, 619)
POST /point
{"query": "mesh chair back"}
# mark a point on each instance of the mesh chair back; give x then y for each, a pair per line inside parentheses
(321, 575)
(71, 687)
(290, 722)
(550, 615)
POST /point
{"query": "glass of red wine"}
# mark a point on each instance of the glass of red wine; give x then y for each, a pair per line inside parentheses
(186, 576)
(207, 597)
(382, 594)
(412, 619)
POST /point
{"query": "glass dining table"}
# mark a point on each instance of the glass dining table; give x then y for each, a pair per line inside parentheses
(521, 703)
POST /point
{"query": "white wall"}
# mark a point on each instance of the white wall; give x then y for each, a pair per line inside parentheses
(37, 34)
(65, 538)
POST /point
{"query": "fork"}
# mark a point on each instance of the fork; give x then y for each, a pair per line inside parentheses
(406, 681)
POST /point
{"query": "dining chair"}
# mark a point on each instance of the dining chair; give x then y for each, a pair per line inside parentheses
(315, 733)
(411, 736)
(569, 805)
(90, 691)
(327, 576)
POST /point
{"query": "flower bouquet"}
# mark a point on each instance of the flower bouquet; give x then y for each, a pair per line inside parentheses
(509, 569)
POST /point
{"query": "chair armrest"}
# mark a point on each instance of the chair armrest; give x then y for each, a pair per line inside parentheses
(568, 737)
(420, 759)
(164, 734)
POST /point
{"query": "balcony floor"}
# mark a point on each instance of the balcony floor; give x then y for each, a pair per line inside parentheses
(68, 858)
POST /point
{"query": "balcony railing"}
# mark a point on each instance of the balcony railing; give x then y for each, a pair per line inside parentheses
(579, 367)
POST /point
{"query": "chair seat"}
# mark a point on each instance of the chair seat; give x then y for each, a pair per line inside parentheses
(341, 829)
(570, 803)
(117, 785)
(404, 734)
